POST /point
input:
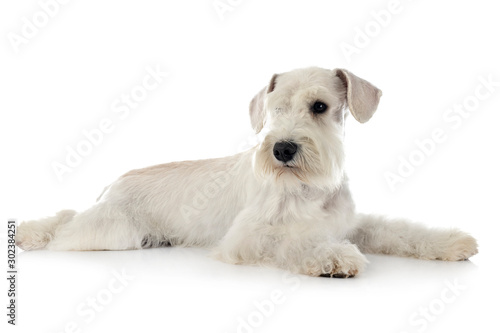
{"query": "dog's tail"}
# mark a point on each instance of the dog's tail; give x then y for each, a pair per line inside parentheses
(36, 234)
(400, 237)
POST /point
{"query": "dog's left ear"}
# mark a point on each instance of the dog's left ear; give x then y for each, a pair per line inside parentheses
(257, 112)
(362, 96)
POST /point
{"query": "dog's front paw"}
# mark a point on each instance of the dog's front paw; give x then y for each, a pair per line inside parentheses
(340, 261)
(459, 246)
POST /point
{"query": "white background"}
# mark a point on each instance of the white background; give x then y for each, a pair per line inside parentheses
(428, 57)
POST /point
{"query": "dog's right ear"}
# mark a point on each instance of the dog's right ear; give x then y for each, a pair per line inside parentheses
(257, 112)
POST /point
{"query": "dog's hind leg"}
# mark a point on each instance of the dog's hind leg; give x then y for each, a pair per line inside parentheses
(101, 227)
(380, 235)
(36, 234)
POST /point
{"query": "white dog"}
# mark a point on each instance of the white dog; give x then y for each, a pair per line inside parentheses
(285, 202)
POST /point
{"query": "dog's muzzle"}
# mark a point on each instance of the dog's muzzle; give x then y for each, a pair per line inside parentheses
(284, 151)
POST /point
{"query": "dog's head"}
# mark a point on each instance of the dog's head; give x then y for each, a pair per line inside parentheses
(301, 114)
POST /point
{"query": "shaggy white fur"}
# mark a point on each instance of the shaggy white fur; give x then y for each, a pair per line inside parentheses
(284, 203)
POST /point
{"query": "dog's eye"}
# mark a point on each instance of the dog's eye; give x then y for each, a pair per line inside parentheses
(319, 107)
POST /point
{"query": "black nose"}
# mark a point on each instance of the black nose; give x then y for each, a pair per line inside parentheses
(284, 151)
